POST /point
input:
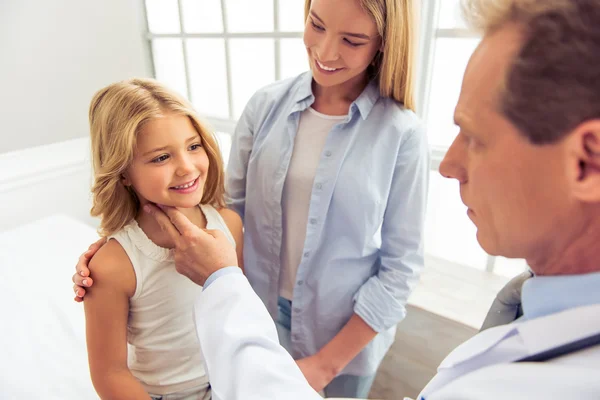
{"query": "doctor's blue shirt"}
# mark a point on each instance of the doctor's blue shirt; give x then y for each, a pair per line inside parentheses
(363, 251)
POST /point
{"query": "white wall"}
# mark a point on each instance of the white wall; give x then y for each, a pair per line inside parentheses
(54, 55)
(45, 180)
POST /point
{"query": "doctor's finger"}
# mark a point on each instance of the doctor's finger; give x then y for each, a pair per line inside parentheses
(163, 220)
(181, 222)
(215, 233)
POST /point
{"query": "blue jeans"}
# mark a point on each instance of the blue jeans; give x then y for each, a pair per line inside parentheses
(350, 386)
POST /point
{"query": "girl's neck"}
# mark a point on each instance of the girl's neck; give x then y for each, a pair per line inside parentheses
(155, 233)
(336, 100)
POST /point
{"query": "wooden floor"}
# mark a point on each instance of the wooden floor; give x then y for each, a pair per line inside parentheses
(422, 341)
(457, 292)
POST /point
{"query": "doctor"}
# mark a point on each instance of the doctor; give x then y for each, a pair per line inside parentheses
(528, 162)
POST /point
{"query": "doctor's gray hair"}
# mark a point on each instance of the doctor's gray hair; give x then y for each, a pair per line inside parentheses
(553, 84)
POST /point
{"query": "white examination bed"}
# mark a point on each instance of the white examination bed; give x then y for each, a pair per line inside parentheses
(42, 350)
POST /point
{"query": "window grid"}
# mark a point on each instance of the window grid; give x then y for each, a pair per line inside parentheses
(430, 33)
(277, 45)
(456, 33)
(222, 124)
(184, 50)
(227, 62)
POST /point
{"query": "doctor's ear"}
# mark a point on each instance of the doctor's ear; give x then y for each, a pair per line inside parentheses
(585, 146)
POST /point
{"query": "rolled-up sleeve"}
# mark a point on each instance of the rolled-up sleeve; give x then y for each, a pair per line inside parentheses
(241, 148)
(381, 300)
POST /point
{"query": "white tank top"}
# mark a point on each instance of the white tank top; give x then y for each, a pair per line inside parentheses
(164, 353)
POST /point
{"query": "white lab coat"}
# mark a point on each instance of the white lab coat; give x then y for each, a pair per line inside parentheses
(245, 361)
(238, 338)
(462, 375)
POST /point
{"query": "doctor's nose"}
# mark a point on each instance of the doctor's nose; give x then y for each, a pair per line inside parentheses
(452, 166)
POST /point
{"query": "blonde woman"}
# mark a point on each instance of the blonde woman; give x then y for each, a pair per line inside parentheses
(315, 162)
(148, 147)
(329, 173)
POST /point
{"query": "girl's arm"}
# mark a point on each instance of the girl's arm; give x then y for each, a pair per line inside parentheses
(106, 313)
(234, 223)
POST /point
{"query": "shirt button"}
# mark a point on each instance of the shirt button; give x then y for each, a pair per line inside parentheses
(300, 283)
(295, 337)
(327, 154)
(306, 254)
(296, 310)
(313, 221)
(319, 186)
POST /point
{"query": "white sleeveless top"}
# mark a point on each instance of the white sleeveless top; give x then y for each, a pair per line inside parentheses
(164, 352)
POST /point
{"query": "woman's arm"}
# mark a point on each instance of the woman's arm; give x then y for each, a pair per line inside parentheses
(237, 167)
(321, 368)
(234, 223)
(381, 300)
(106, 313)
(81, 278)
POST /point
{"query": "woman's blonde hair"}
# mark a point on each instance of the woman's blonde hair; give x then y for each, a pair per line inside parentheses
(394, 66)
(117, 113)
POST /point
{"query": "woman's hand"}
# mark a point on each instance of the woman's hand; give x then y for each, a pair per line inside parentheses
(81, 278)
(316, 371)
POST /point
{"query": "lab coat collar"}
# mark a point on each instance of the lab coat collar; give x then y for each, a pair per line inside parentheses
(538, 335)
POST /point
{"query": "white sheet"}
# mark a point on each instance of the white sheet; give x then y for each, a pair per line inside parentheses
(42, 350)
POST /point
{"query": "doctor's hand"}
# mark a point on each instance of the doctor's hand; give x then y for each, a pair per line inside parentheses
(316, 372)
(81, 278)
(198, 252)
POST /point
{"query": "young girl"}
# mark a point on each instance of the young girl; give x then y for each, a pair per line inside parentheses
(148, 147)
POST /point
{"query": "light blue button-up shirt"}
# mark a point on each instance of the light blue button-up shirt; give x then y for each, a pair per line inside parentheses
(363, 251)
(545, 295)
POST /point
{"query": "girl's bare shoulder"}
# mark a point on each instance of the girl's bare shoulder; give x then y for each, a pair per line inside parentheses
(112, 267)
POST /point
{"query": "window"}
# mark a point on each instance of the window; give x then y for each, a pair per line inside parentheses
(213, 54)
(217, 57)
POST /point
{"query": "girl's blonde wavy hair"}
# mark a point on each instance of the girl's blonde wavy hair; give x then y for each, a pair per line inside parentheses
(117, 113)
(394, 66)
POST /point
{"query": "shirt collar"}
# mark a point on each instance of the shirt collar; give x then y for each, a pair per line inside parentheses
(544, 295)
(304, 93)
(364, 103)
